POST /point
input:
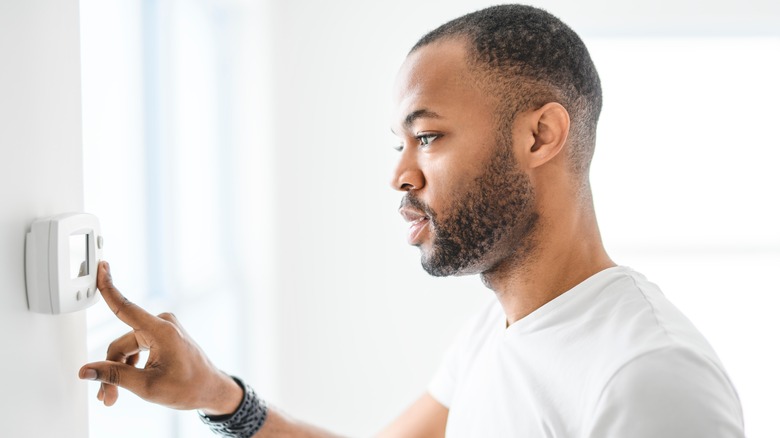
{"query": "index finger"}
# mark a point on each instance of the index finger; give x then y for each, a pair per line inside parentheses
(124, 309)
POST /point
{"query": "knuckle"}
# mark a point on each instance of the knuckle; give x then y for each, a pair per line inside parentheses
(112, 376)
(168, 316)
(170, 329)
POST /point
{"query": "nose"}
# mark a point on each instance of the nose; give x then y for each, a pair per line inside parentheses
(407, 175)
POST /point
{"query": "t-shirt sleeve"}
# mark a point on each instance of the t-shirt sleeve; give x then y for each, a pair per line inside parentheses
(671, 393)
(442, 386)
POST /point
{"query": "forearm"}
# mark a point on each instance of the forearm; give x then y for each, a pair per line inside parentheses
(279, 425)
(247, 412)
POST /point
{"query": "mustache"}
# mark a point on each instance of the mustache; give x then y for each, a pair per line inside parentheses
(409, 200)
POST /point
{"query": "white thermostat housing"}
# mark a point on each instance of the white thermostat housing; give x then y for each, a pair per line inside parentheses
(62, 253)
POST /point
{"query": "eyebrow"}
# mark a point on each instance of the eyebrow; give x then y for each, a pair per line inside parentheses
(418, 114)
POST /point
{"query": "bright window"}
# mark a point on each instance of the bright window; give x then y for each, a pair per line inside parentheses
(157, 149)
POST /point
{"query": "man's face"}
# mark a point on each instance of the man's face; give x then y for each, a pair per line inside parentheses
(469, 204)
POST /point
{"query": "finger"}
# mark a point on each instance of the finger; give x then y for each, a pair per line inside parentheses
(133, 359)
(123, 347)
(110, 394)
(125, 310)
(115, 374)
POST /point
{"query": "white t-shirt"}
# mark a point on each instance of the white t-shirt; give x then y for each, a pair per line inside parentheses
(611, 357)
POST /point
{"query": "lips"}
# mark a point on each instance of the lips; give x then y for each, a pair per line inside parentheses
(418, 223)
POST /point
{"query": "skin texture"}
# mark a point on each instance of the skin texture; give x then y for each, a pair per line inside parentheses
(543, 237)
(494, 210)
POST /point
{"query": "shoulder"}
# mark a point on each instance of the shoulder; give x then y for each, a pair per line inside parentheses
(659, 376)
(633, 315)
(671, 392)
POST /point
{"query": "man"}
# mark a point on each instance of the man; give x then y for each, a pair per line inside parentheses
(496, 115)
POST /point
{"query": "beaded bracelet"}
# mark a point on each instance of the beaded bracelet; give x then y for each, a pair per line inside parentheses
(245, 422)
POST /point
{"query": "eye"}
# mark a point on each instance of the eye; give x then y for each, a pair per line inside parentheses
(426, 139)
(423, 140)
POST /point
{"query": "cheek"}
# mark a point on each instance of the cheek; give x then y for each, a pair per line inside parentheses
(447, 178)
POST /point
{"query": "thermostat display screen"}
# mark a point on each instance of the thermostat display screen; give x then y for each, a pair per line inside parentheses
(79, 252)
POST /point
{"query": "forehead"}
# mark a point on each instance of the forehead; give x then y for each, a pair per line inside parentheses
(437, 78)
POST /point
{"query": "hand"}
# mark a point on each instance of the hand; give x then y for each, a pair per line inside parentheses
(177, 373)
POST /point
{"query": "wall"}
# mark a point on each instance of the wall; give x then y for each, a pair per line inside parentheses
(40, 175)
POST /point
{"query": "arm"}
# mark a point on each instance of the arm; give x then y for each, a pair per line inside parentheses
(425, 418)
(175, 361)
(279, 425)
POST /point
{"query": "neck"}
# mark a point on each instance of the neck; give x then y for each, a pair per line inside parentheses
(567, 253)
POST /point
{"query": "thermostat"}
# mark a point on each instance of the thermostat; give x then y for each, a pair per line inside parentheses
(62, 253)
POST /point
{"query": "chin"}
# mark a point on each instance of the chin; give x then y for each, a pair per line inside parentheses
(437, 269)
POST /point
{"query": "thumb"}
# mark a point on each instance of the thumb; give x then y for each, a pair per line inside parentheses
(115, 373)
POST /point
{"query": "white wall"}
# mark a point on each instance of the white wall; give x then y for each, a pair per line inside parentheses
(40, 175)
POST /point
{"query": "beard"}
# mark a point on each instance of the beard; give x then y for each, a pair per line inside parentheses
(493, 219)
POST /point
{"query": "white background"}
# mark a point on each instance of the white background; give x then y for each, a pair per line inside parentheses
(238, 154)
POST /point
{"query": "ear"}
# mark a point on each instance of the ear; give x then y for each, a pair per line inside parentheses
(543, 133)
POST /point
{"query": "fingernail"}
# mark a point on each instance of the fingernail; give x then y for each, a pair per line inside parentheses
(90, 374)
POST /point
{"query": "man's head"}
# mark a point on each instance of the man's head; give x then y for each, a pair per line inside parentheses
(485, 104)
(527, 57)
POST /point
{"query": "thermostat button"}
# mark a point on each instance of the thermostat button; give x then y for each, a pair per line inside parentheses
(100, 242)
(78, 296)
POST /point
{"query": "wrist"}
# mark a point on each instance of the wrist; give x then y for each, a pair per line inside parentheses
(247, 419)
(228, 395)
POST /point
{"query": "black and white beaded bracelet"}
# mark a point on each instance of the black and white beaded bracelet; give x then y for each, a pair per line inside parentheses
(245, 422)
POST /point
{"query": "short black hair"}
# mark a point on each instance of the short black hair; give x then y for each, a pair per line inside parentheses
(528, 57)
